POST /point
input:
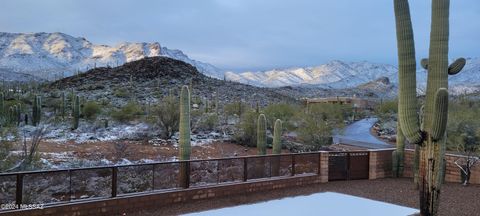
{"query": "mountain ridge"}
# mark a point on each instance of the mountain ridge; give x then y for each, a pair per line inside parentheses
(56, 55)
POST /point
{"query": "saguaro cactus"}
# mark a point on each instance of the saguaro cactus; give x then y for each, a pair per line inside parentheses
(277, 147)
(262, 135)
(184, 139)
(18, 114)
(277, 133)
(430, 137)
(64, 104)
(11, 114)
(261, 145)
(2, 103)
(76, 112)
(36, 110)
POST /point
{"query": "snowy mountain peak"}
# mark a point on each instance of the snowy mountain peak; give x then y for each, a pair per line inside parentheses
(334, 74)
(52, 55)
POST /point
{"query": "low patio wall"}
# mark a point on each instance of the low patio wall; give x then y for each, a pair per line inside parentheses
(140, 202)
(380, 163)
(452, 173)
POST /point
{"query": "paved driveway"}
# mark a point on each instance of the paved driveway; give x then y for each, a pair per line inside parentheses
(358, 134)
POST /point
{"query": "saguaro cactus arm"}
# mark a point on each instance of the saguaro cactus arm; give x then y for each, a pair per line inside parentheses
(424, 63)
(407, 73)
(456, 66)
(439, 124)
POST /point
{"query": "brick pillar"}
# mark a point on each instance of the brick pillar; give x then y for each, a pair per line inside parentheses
(372, 167)
(380, 163)
(323, 167)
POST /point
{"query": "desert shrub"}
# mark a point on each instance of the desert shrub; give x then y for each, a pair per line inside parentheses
(208, 121)
(386, 109)
(5, 147)
(315, 127)
(246, 133)
(91, 110)
(314, 132)
(127, 113)
(168, 115)
(121, 93)
(463, 126)
(235, 108)
(282, 111)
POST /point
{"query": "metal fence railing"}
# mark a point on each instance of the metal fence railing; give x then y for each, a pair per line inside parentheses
(59, 186)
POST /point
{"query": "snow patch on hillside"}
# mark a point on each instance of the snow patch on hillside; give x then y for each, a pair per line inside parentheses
(55, 55)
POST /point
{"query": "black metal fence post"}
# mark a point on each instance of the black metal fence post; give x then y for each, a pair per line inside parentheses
(114, 181)
(293, 165)
(19, 190)
(348, 165)
(153, 177)
(218, 171)
(245, 169)
(187, 170)
(319, 162)
(69, 185)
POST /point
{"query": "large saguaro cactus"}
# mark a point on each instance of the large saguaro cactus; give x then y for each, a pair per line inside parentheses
(276, 147)
(277, 133)
(261, 145)
(36, 110)
(184, 139)
(262, 135)
(76, 112)
(430, 137)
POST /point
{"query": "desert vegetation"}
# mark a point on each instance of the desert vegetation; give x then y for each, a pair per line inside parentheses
(83, 109)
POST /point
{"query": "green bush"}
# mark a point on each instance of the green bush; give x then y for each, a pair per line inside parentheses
(208, 121)
(91, 110)
(6, 147)
(315, 127)
(386, 109)
(282, 111)
(235, 108)
(246, 133)
(463, 126)
(127, 113)
(121, 93)
(168, 115)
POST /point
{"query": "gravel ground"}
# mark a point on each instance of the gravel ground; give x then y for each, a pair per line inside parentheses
(456, 200)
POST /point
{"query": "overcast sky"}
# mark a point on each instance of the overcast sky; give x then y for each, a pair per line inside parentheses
(248, 34)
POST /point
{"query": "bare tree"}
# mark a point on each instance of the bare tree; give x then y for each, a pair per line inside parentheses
(468, 144)
(29, 149)
(466, 164)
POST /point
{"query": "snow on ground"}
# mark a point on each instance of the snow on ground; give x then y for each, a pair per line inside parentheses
(63, 133)
(327, 203)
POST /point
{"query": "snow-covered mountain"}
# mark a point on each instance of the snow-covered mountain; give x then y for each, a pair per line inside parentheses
(55, 55)
(339, 75)
(52, 55)
(335, 74)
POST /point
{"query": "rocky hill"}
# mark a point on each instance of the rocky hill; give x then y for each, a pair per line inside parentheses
(149, 78)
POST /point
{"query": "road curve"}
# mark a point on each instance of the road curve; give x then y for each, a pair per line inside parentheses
(358, 134)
